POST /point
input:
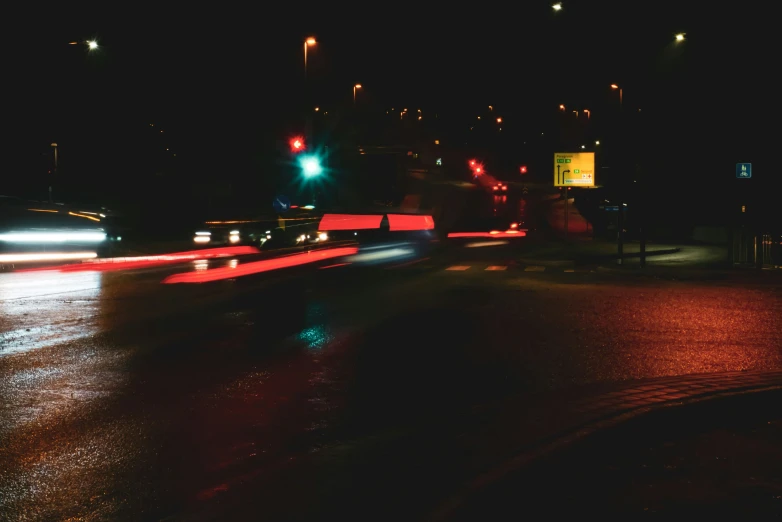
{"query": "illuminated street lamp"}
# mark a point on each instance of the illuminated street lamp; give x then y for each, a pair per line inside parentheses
(356, 87)
(92, 45)
(680, 37)
(557, 6)
(561, 107)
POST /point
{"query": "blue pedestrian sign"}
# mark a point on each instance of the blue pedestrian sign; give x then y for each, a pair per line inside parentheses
(743, 170)
(281, 204)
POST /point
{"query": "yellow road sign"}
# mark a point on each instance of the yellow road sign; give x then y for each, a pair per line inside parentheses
(574, 169)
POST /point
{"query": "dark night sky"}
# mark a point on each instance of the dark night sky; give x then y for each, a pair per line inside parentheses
(222, 79)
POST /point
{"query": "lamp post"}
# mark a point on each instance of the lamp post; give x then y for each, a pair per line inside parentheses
(617, 88)
(309, 42)
(54, 172)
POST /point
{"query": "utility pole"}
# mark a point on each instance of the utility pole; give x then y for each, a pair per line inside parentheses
(54, 172)
(640, 200)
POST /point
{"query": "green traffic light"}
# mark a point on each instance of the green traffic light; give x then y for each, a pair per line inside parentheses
(310, 166)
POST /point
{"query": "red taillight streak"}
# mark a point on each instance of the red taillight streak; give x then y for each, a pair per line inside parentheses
(128, 263)
(256, 267)
(397, 222)
(493, 233)
(331, 222)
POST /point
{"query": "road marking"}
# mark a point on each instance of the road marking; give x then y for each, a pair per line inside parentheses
(457, 267)
(333, 266)
(496, 268)
(535, 269)
(402, 265)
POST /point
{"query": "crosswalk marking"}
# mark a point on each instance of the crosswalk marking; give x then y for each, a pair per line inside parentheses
(535, 269)
(458, 267)
(496, 268)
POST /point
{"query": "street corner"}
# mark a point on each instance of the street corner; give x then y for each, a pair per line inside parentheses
(651, 413)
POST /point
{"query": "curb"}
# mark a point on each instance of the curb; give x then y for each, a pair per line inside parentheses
(547, 262)
(592, 259)
(634, 255)
(674, 272)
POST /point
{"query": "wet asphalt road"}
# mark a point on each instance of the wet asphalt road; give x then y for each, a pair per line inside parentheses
(312, 391)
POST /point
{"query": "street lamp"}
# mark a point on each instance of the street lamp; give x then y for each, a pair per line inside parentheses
(309, 42)
(56, 164)
(92, 45)
(588, 113)
(561, 107)
(617, 88)
(557, 6)
(680, 37)
(355, 87)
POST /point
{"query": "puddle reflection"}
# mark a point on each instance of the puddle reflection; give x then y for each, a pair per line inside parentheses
(40, 308)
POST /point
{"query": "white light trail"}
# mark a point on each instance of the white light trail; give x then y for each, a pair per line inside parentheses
(53, 237)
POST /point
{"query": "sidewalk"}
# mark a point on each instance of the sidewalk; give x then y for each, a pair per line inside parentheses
(592, 252)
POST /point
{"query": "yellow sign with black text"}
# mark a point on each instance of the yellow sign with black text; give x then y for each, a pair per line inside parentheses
(574, 169)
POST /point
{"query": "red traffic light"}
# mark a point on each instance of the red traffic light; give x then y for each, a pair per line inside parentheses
(523, 169)
(297, 144)
(476, 167)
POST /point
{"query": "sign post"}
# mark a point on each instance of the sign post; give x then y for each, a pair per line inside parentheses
(573, 169)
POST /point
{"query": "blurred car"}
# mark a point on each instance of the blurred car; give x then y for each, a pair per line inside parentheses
(499, 187)
(295, 228)
(36, 231)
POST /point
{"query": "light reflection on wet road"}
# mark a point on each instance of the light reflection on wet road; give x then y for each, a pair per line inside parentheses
(124, 399)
